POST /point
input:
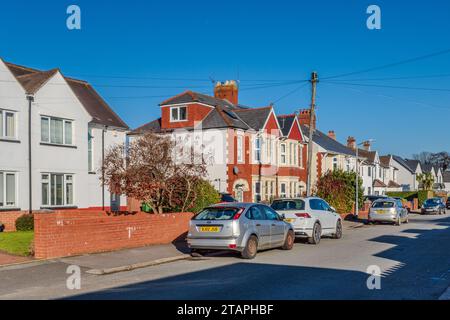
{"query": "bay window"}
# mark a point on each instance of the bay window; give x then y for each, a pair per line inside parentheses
(56, 131)
(57, 189)
(7, 189)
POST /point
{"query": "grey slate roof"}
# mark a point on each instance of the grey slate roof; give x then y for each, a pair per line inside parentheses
(413, 164)
(403, 163)
(427, 167)
(369, 155)
(328, 143)
(255, 118)
(154, 126)
(190, 96)
(223, 118)
(286, 123)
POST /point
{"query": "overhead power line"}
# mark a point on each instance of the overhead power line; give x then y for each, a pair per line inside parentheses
(389, 65)
(387, 86)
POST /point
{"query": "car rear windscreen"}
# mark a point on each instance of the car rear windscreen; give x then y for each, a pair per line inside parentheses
(288, 205)
(217, 214)
(383, 204)
(432, 202)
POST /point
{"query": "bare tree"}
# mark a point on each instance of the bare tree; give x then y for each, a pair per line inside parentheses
(148, 170)
(423, 157)
(441, 159)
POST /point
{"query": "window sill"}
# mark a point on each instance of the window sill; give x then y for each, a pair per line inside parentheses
(58, 145)
(59, 208)
(9, 209)
(92, 172)
(9, 140)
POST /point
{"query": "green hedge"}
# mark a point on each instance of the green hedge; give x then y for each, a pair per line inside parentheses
(25, 223)
(423, 196)
(408, 195)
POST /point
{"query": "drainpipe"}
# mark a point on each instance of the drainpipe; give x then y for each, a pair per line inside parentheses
(30, 99)
(103, 166)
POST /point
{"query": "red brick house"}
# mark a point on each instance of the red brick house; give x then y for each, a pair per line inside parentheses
(248, 153)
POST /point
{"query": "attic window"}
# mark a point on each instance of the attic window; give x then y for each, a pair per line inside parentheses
(178, 114)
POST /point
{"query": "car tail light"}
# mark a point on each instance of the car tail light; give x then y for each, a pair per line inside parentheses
(232, 246)
(238, 214)
(303, 215)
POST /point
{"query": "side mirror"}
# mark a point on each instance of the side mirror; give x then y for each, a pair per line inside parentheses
(333, 209)
(283, 217)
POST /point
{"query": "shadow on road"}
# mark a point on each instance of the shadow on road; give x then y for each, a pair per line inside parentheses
(422, 272)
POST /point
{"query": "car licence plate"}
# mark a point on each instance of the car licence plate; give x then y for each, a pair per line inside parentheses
(380, 211)
(289, 220)
(209, 229)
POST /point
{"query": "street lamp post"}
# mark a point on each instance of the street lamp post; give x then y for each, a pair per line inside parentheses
(357, 177)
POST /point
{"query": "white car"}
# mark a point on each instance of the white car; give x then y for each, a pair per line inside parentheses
(311, 217)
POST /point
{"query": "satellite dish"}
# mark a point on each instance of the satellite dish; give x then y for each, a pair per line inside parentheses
(236, 170)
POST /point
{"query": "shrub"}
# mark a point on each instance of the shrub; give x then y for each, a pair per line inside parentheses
(423, 195)
(408, 195)
(206, 196)
(338, 189)
(25, 223)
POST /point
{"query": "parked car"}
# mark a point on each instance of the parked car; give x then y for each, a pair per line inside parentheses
(448, 203)
(374, 198)
(242, 227)
(388, 210)
(226, 197)
(311, 217)
(433, 206)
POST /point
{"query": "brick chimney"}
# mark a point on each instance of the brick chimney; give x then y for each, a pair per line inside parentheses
(227, 90)
(304, 118)
(367, 145)
(351, 143)
(332, 135)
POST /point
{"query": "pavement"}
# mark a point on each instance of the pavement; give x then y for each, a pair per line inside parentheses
(413, 266)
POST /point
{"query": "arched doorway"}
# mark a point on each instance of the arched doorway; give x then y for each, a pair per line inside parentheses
(240, 186)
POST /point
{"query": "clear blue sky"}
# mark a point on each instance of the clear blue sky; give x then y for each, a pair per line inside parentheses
(252, 41)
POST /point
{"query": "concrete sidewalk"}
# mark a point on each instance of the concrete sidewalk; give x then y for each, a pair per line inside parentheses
(129, 259)
(8, 259)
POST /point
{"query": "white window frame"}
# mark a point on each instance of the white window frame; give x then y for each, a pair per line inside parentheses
(283, 154)
(3, 182)
(4, 112)
(49, 119)
(300, 158)
(91, 166)
(51, 181)
(172, 119)
(283, 194)
(257, 150)
(335, 163)
(240, 148)
(258, 193)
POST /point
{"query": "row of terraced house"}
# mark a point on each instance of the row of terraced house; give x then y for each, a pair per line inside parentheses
(54, 131)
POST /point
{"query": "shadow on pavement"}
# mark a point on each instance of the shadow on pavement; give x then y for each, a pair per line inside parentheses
(422, 272)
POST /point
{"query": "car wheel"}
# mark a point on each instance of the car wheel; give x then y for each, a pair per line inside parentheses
(197, 253)
(316, 234)
(289, 242)
(338, 233)
(251, 248)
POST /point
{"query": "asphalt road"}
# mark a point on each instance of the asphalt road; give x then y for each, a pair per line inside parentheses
(414, 259)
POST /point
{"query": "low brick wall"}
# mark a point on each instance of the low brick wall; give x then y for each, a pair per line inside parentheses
(8, 218)
(67, 233)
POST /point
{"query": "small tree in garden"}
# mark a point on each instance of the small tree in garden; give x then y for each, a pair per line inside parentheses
(149, 170)
(338, 189)
(426, 179)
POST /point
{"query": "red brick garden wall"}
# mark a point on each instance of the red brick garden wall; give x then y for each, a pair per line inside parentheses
(8, 218)
(67, 233)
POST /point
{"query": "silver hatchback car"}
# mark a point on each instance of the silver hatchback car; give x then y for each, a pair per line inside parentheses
(388, 210)
(242, 227)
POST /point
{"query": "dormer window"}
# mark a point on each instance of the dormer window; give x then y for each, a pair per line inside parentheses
(178, 114)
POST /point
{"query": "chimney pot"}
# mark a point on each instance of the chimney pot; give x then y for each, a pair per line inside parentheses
(367, 145)
(227, 90)
(332, 135)
(304, 118)
(351, 143)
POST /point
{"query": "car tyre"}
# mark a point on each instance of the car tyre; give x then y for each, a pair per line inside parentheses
(316, 234)
(289, 242)
(197, 253)
(251, 248)
(338, 233)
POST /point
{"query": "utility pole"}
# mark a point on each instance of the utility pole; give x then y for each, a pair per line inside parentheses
(314, 80)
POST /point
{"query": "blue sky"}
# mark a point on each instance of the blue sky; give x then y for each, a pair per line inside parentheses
(126, 44)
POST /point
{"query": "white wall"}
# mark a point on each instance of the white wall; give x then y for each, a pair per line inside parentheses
(14, 155)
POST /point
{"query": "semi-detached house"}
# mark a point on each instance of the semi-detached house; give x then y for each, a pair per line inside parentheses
(64, 125)
(248, 152)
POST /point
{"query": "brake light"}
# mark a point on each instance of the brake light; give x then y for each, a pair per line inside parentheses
(238, 214)
(232, 246)
(303, 215)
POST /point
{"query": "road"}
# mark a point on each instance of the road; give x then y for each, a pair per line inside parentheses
(414, 259)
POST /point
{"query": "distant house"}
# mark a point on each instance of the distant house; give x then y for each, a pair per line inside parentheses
(446, 180)
(390, 174)
(407, 172)
(328, 153)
